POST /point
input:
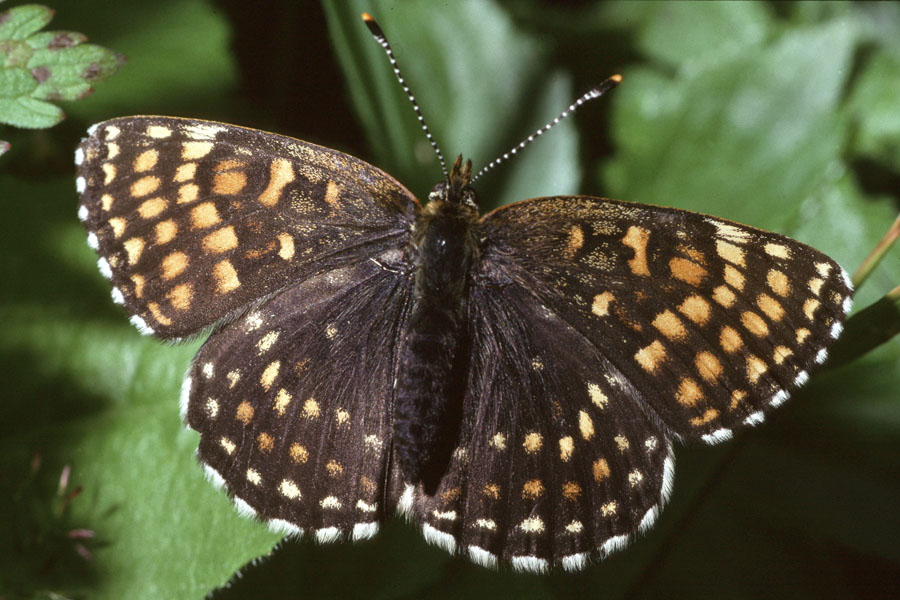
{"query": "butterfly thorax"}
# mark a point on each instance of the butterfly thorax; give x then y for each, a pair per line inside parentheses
(429, 388)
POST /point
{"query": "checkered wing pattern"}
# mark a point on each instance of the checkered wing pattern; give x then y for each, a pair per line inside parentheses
(194, 220)
(602, 331)
(292, 403)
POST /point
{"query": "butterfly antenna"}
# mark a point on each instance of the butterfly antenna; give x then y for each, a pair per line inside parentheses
(590, 95)
(378, 34)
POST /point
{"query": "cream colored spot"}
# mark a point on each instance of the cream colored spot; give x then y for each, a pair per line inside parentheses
(269, 374)
(112, 132)
(635, 478)
(687, 271)
(802, 334)
(118, 226)
(281, 173)
(226, 277)
(532, 525)
(734, 278)
(492, 491)
(781, 354)
(181, 296)
(571, 491)
(254, 477)
(332, 193)
(212, 408)
(689, 392)
(498, 441)
(600, 469)
(289, 489)
(575, 527)
(778, 250)
(730, 252)
(486, 524)
(229, 183)
(311, 409)
(204, 215)
(158, 315)
(737, 398)
(110, 173)
(770, 307)
(724, 296)
(755, 368)
(342, 416)
(112, 150)
(106, 201)
(533, 442)
(710, 414)
(195, 150)
(227, 445)
(330, 503)
(597, 396)
(754, 324)
(574, 243)
(566, 448)
(622, 443)
(173, 264)
(158, 131)
(138, 282)
(373, 442)
(144, 186)
(334, 468)
(134, 247)
(282, 399)
(533, 489)
(265, 442)
(730, 339)
(233, 377)
(778, 282)
(166, 231)
(609, 509)
(298, 453)
(636, 238)
(585, 425)
(670, 325)
(600, 307)
(185, 172)
(188, 193)
(823, 269)
(286, 246)
(151, 208)
(266, 341)
(815, 285)
(221, 240)
(145, 161)
(244, 412)
(708, 366)
(696, 309)
(809, 308)
(650, 357)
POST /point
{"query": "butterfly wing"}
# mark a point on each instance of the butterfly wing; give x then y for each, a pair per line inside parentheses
(195, 220)
(292, 399)
(601, 331)
(711, 322)
(555, 460)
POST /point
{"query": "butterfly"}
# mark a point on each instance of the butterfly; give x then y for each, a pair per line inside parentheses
(513, 382)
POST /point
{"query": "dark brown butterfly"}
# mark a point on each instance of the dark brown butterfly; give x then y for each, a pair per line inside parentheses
(513, 382)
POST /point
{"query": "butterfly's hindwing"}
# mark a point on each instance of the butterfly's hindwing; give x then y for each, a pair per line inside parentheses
(558, 461)
(711, 323)
(194, 220)
(292, 402)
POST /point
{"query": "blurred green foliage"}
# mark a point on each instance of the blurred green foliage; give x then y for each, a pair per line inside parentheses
(782, 116)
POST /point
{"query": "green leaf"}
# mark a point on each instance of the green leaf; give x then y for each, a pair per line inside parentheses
(45, 66)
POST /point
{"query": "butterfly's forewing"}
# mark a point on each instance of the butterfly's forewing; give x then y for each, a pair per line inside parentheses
(194, 220)
(707, 324)
(555, 460)
(292, 402)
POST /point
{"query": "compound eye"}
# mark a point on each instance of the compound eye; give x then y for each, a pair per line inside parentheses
(439, 192)
(469, 199)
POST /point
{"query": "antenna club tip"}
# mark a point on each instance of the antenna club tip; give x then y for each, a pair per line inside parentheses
(616, 78)
(367, 17)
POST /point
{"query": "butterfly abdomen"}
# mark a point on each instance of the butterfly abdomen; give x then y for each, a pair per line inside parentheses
(429, 386)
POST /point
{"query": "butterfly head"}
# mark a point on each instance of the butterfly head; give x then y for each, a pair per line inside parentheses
(456, 189)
